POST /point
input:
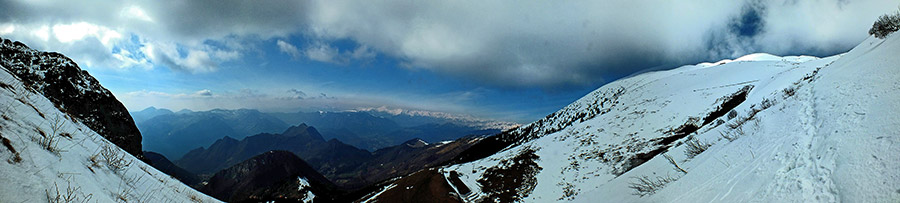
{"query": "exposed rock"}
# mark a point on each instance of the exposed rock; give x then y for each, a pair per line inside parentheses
(73, 91)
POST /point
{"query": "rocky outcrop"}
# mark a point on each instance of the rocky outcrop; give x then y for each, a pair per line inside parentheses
(73, 91)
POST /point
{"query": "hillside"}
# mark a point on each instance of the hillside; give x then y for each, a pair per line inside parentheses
(166, 166)
(273, 175)
(757, 128)
(73, 91)
(49, 155)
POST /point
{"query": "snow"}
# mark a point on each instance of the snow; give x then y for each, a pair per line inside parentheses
(822, 130)
(304, 184)
(373, 196)
(70, 171)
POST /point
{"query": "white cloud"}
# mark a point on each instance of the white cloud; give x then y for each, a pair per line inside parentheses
(204, 93)
(204, 99)
(363, 53)
(322, 52)
(73, 28)
(136, 12)
(459, 119)
(189, 59)
(289, 49)
(67, 33)
(42, 33)
(7, 28)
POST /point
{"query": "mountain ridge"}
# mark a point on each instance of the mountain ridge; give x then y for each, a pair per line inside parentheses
(695, 134)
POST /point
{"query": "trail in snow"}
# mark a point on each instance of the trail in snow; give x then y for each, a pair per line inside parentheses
(807, 170)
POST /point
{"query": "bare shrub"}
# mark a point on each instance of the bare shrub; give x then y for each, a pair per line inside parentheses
(95, 160)
(122, 195)
(57, 123)
(5, 84)
(730, 135)
(694, 147)
(21, 94)
(71, 194)
(885, 25)
(8, 144)
(790, 91)
(113, 159)
(645, 185)
(36, 110)
(47, 141)
(765, 104)
(194, 198)
(675, 164)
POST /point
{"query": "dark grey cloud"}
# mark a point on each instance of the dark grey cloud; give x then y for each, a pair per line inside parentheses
(504, 43)
(296, 94)
(558, 43)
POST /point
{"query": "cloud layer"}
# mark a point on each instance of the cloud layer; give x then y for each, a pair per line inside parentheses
(552, 43)
(503, 43)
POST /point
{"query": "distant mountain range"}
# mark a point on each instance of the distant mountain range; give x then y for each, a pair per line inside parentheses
(327, 156)
(175, 133)
(345, 165)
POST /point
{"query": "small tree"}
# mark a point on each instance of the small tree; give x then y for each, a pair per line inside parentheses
(885, 25)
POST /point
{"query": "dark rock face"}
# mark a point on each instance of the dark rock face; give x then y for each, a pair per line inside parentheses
(273, 175)
(73, 91)
(163, 164)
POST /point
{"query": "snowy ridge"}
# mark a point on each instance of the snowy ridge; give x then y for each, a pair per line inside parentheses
(760, 128)
(49, 156)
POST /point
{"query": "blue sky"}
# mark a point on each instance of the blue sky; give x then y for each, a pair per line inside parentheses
(373, 82)
(510, 61)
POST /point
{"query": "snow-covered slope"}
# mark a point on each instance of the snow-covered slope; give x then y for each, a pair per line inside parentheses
(73, 91)
(49, 156)
(760, 128)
